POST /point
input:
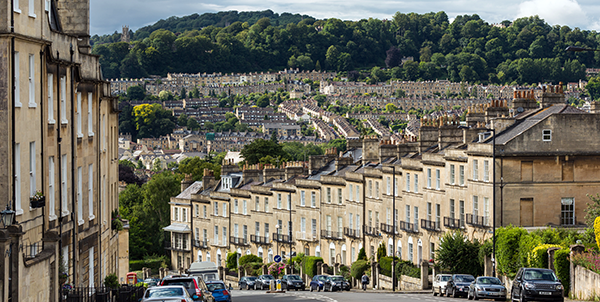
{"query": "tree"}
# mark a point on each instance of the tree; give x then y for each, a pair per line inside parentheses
(194, 166)
(260, 148)
(456, 254)
(182, 120)
(136, 92)
(263, 101)
(381, 251)
(332, 58)
(192, 124)
(362, 255)
(393, 57)
(339, 144)
(391, 108)
(127, 174)
(593, 88)
(593, 210)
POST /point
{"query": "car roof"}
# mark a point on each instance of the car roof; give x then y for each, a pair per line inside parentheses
(167, 286)
(336, 276)
(215, 281)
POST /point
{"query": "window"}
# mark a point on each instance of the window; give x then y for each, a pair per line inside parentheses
(31, 78)
(257, 228)
(257, 203)
(79, 196)
(351, 192)
(388, 186)
(184, 215)
(17, 84)
(328, 223)
(461, 216)
(204, 211)
(452, 174)
(79, 131)
(91, 259)
(328, 195)
(51, 99)
(437, 215)
(357, 193)
(32, 170)
(428, 178)
(196, 210)
(396, 186)
(16, 6)
(313, 199)
(216, 237)
(370, 188)
(279, 200)
(475, 206)
(51, 190)
(279, 226)
(437, 179)
(90, 115)
(224, 236)
(461, 176)
(216, 208)
(302, 198)
(235, 230)
(358, 222)
(340, 196)
(377, 189)
(314, 228)
(340, 226)
(91, 192)
(32, 11)
(103, 125)
(486, 170)
(547, 135)
(289, 201)
(205, 235)
(197, 234)
(245, 233)
(245, 203)
(416, 218)
(416, 183)
(429, 210)
(266, 204)
(452, 208)
(63, 100)
(475, 169)
(224, 210)
(407, 182)
(376, 219)
(567, 211)
(387, 216)
(407, 214)
(370, 218)
(486, 210)
(235, 206)
(267, 232)
(63, 185)
(175, 214)
(303, 225)
(351, 220)
(410, 252)
(431, 250)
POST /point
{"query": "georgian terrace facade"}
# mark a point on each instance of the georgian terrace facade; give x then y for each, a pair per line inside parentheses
(338, 204)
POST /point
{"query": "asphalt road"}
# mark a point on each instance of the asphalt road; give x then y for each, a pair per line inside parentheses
(352, 296)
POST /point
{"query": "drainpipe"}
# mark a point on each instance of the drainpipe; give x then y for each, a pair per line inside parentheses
(73, 169)
(42, 137)
(12, 146)
(59, 154)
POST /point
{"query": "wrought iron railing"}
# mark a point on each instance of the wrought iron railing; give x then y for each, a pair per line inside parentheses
(352, 233)
(238, 240)
(259, 240)
(389, 229)
(477, 221)
(331, 235)
(430, 225)
(452, 223)
(409, 227)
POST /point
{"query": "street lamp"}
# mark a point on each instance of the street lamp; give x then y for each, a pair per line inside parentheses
(8, 216)
(290, 225)
(493, 133)
(278, 238)
(394, 228)
(580, 49)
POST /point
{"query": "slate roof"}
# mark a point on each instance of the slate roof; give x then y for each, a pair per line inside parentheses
(193, 189)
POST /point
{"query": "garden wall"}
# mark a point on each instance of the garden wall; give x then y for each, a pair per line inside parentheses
(410, 283)
(585, 284)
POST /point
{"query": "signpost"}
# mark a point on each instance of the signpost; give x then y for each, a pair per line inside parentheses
(277, 258)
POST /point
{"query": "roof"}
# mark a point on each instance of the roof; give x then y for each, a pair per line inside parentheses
(178, 228)
(193, 189)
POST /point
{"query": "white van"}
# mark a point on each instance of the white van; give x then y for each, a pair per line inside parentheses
(205, 269)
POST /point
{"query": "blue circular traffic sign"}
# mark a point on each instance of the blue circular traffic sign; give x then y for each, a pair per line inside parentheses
(277, 258)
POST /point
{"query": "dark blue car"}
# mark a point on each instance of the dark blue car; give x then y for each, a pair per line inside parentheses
(317, 282)
(218, 290)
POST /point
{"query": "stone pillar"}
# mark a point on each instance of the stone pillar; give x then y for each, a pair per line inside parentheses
(241, 273)
(51, 239)
(324, 269)
(373, 274)
(488, 267)
(221, 273)
(4, 263)
(424, 274)
(575, 249)
(376, 278)
(15, 231)
(336, 269)
(551, 257)
(265, 269)
(288, 269)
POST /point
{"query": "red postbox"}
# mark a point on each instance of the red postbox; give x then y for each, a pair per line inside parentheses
(131, 278)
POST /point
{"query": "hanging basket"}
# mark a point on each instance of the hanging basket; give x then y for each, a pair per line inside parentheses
(38, 202)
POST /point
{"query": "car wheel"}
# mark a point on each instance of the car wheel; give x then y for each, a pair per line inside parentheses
(433, 291)
(522, 299)
(440, 292)
(454, 293)
(475, 296)
(312, 288)
(319, 288)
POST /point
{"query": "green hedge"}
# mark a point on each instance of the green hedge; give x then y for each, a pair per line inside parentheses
(232, 261)
(562, 267)
(358, 268)
(539, 255)
(407, 268)
(153, 264)
(250, 259)
(310, 265)
(385, 263)
(252, 268)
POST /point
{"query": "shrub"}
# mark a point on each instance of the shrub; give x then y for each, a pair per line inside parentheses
(276, 269)
(249, 259)
(562, 266)
(407, 268)
(310, 265)
(597, 230)
(362, 255)
(252, 268)
(539, 255)
(457, 253)
(381, 252)
(345, 272)
(589, 260)
(507, 249)
(111, 281)
(385, 263)
(232, 259)
(358, 268)
(153, 263)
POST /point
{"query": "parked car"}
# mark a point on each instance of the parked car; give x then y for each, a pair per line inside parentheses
(537, 284)
(219, 291)
(289, 282)
(151, 282)
(317, 282)
(194, 285)
(487, 288)
(247, 282)
(172, 293)
(263, 281)
(440, 282)
(333, 283)
(458, 285)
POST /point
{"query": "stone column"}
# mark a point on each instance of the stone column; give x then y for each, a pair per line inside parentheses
(575, 249)
(424, 274)
(336, 269)
(265, 269)
(551, 252)
(15, 231)
(4, 263)
(324, 269)
(288, 269)
(222, 273)
(374, 273)
(487, 264)
(51, 239)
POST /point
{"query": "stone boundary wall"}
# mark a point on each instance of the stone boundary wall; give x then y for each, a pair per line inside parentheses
(410, 283)
(585, 284)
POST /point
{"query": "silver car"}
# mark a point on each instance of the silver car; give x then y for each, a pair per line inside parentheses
(172, 293)
(487, 288)
(440, 282)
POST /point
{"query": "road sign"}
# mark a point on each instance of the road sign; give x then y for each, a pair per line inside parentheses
(277, 258)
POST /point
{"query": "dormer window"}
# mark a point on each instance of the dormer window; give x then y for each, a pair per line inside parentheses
(226, 183)
(547, 135)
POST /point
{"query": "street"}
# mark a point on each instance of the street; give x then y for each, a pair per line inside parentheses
(352, 296)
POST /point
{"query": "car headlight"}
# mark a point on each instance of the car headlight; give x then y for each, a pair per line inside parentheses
(559, 287)
(529, 286)
(477, 288)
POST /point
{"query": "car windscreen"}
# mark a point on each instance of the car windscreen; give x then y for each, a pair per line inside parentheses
(268, 277)
(337, 279)
(293, 277)
(321, 278)
(531, 275)
(164, 292)
(494, 281)
(187, 283)
(251, 278)
(215, 286)
(464, 278)
(445, 278)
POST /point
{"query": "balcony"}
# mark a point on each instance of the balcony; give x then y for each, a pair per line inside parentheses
(371, 231)
(352, 233)
(409, 227)
(331, 235)
(452, 223)
(281, 238)
(389, 229)
(477, 221)
(260, 240)
(203, 244)
(306, 236)
(238, 241)
(430, 225)
(177, 246)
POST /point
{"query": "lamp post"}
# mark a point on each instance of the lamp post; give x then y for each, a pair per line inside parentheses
(290, 225)
(277, 240)
(8, 216)
(394, 228)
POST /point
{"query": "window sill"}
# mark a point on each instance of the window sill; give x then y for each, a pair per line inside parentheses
(80, 222)
(52, 217)
(90, 133)
(32, 105)
(91, 217)
(16, 10)
(65, 213)
(64, 122)
(32, 16)
(18, 105)
(51, 122)
(79, 135)
(19, 212)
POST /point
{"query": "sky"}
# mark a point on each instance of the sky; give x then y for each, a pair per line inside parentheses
(108, 16)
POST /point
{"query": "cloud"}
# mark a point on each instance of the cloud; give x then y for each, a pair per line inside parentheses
(563, 12)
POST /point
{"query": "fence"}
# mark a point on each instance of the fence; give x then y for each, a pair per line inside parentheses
(103, 294)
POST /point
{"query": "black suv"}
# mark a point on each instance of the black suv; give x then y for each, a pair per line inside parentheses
(290, 282)
(263, 282)
(458, 285)
(537, 284)
(194, 285)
